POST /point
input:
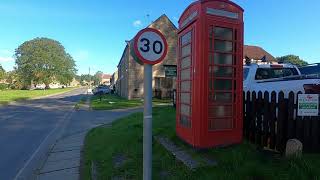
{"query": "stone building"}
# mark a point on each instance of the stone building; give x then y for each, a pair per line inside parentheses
(130, 73)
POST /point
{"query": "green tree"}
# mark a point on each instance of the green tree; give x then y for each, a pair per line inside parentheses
(43, 60)
(2, 73)
(13, 80)
(293, 59)
(97, 77)
(67, 71)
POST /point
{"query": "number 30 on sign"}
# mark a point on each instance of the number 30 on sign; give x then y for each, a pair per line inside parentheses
(150, 46)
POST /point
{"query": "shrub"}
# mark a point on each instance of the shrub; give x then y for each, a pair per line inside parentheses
(3, 86)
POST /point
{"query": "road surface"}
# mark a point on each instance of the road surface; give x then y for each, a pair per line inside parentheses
(28, 129)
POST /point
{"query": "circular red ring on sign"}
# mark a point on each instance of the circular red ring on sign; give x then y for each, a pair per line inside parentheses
(136, 51)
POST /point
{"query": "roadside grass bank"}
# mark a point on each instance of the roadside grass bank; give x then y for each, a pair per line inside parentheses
(7, 96)
(111, 101)
(117, 151)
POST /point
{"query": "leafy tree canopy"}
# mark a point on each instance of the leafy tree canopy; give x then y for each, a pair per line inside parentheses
(293, 59)
(98, 77)
(86, 78)
(44, 60)
(2, 72)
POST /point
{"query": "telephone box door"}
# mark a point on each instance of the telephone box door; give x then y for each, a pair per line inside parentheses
(224, 75)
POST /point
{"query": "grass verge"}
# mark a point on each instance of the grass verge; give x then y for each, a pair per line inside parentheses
(111, 101)
(80, 103)
(242, 161)
(7, 96)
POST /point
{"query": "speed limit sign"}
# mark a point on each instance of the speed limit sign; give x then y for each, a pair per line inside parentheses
(150, 46)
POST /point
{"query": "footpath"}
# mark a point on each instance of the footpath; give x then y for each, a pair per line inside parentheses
(63, 161)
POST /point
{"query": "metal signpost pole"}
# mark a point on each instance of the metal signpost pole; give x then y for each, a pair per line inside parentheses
(147, 123)
(149, 48)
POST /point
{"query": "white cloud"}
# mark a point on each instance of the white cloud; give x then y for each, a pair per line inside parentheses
(81, 55)
(6, 59)
(137, 23)
(5, 52)
(6, 56)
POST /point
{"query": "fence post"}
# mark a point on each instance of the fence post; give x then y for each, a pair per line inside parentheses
(273, 119)
(248, 116)
(291, 124)
(266, 119)
(253, 118)
(259, 119)
(280, 142)
(299, 123)
(315, 134)
(307, 133)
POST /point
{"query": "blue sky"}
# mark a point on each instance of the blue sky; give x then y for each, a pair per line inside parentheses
(94, 32)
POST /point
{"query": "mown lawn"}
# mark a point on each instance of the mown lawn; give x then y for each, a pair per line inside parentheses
(7, 96)
(111, 101)
(242, 161)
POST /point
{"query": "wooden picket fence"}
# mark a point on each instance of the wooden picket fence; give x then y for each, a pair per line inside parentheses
(270, 120)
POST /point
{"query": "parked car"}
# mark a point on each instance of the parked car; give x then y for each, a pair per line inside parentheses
(102, 89)
(278, 77)
(311, 70)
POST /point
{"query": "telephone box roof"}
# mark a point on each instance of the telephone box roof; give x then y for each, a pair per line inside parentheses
(205, 1)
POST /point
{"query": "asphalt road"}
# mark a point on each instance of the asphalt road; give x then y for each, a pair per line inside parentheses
(28, 129)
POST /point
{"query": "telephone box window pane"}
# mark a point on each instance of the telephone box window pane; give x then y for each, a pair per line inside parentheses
(186, 62)
(185, 74)
(186, 86)
(223, 33)
(223, 71)
(186, 50)
(223, 58)
(185, 98)
(185, 121)
(222, 97)
(185, 110)
(220, 111)
(222, 84)
(186, 38)
(223, 46)
(218, 124)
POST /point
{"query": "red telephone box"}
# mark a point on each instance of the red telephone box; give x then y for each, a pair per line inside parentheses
(210, 65)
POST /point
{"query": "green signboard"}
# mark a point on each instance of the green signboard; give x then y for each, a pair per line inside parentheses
(308, 105)
(170, 70)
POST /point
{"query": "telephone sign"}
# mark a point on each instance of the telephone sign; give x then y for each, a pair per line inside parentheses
(150, 46)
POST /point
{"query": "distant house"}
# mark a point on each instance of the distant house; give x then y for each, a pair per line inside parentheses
(105, 79)
(74, 83)
(3, 81)
(130, 73)
(257, 55)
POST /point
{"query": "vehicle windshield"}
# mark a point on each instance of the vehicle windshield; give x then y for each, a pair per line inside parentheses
(269, 73)
(245, 73)
(310, 69)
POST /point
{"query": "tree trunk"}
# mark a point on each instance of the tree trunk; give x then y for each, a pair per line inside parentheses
(47, 86)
